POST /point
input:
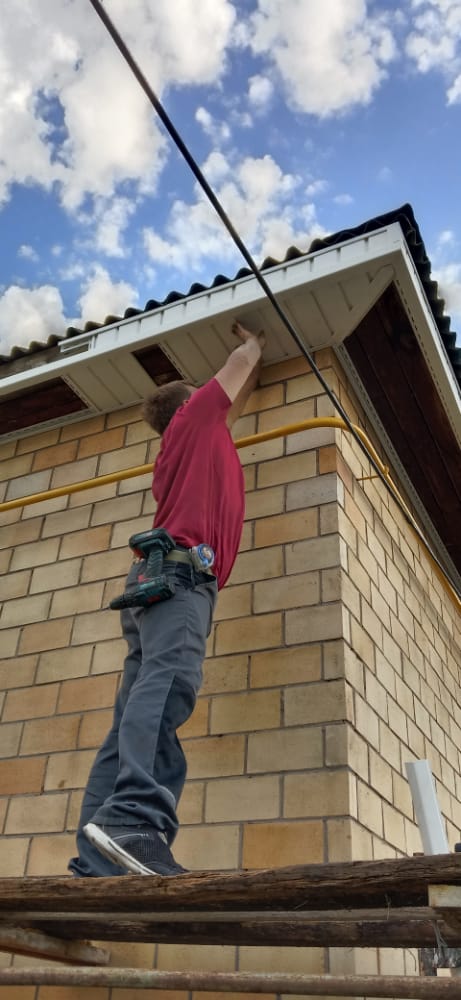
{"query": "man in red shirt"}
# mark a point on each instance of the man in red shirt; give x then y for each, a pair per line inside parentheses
(128, 818)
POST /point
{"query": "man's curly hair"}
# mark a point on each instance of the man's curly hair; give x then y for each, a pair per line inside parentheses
(159, 408)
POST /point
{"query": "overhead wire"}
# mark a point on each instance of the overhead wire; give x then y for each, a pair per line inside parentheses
(214, 200)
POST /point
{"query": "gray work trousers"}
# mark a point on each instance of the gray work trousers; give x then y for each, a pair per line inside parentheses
(139, 772)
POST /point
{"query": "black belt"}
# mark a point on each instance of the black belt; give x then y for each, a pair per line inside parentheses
(184, 556)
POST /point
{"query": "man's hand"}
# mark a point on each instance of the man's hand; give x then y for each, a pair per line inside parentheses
(240, 374)
(244, 335)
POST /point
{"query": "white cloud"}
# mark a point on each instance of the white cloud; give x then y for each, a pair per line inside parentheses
(74, 270)
(448, 277)
(262, 203)
(74, 116)
(384, 175)
(446, 238)
(242, 119)
(428, 45)
(217, 131)
(260, 91)
(28, 253)
(216, 167)
(101, 296)
(109, 220)
(343, 199)
(316, 187)
(29, 314)
(204, 118)
(330, 56)
(446, 270)
(434, 43)
(454, 92)
(34, 314)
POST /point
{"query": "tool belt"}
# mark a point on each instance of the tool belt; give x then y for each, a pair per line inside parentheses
(156, 547)
(187, 556)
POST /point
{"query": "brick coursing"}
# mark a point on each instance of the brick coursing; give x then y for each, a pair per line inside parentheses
(334, 658)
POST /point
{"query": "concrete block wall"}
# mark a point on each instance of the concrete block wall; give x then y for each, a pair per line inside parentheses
(402, 668)
(316, 681)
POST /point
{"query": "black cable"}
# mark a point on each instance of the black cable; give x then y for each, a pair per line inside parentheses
(179, 142)
(220, 210)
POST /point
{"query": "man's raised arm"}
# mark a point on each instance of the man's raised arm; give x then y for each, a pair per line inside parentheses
(240, 375)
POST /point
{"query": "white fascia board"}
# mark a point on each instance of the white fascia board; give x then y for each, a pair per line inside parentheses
(385, 247)
(425, 328)
(232, 298)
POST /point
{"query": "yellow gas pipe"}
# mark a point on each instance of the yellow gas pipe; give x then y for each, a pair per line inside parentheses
(303, 425)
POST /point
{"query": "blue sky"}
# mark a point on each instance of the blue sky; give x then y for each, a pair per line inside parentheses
(307, 117)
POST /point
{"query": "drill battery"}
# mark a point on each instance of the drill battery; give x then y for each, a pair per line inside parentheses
(153, 584)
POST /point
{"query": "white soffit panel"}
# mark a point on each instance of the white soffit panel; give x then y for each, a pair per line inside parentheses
(195, 331)
(109, 383)
(325, 295)
(322, 317)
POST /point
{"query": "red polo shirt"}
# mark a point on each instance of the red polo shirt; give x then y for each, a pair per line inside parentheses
(198, 478)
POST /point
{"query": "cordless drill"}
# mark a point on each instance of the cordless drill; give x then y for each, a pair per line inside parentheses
(153, 585)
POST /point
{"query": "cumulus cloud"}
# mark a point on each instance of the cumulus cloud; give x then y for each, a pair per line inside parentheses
(263, 203)
(330, 56)
(27, 252)
(216, 168)
(343, 199)
(242, 119)
(260, 90)
(101, 296)
(75, 117)
(109, 220)
(448, 277)
(34, 314)
(316, 187)
(446, 271)
(29, 314)
(217, 131)
(454, 92)
(446, 238)
(75, 123)
(434, 42)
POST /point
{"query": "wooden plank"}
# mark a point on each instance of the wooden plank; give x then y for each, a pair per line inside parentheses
(357, 884)
(401, 928)
(411, 987)
(49, 401)
(374, 371)
(394, 371)
(24, 941)
(238, 916)
(446, 896)
(402, 372)
(323, 933)
(447, 905)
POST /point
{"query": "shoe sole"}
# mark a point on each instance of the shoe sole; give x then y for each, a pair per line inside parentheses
(114, 852)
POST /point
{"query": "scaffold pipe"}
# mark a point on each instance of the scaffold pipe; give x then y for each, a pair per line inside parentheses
(411, 987)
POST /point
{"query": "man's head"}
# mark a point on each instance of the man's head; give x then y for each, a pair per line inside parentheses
(158, 409)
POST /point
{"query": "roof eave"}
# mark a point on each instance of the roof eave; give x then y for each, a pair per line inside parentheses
(326, 294)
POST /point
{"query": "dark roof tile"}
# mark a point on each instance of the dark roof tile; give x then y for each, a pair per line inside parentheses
(404, 215)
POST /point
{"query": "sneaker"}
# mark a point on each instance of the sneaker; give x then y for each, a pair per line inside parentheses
(141, 850)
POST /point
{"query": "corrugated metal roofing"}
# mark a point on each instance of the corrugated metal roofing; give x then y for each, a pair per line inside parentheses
(404, 216)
